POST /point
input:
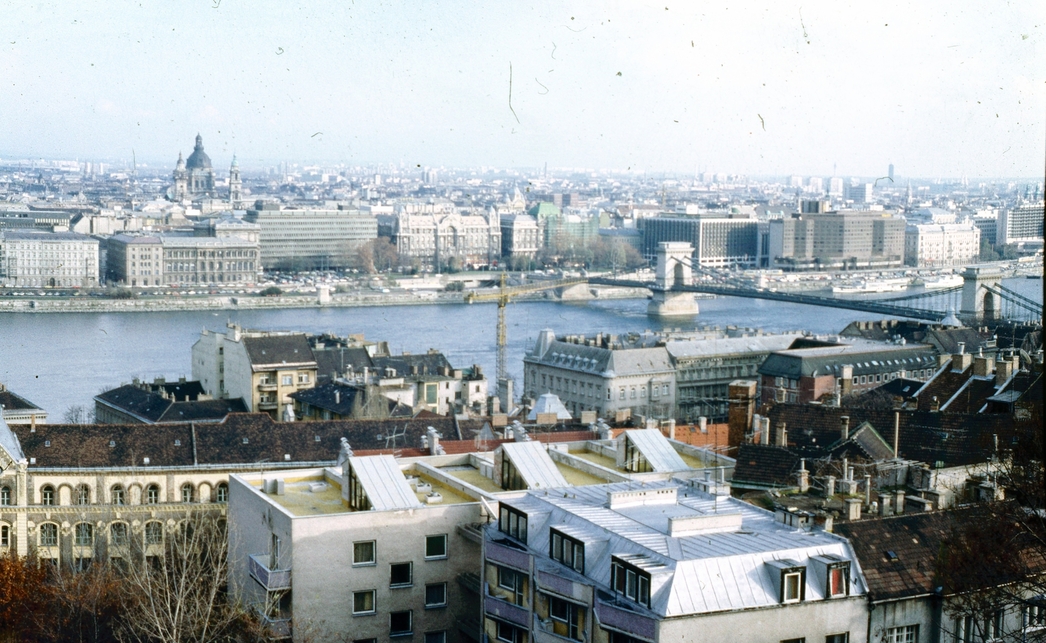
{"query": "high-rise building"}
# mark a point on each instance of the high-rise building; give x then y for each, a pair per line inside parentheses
(307, 238)
(718, 240)
(837, 240)
(1021, 224)
(859, 193)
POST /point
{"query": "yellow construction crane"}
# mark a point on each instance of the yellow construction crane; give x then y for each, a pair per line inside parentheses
(503, 296)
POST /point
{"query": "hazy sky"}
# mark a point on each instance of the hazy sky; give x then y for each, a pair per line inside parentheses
(937, 88)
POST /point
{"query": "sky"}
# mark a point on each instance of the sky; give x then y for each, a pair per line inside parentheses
(938, 88)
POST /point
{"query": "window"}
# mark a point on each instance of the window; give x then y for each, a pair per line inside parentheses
(798, 640)
(838, 638)
(187, 492)
(838, 580)
(436, 637)
(5, 495)
(1035, 613)
(303, 378)
(793, 583)
(630, 581)
(513, 581)
(48, 535)
(153, 533)
(363, 602)
(83, 534)
(152, 494)
(402, 575)
(510, 634)
(993, 625)
(287, 380)
(221, 492)
(83, 494)
(904, 634)
(363, 553)
(118, 534)
(435, 595)
(567, 618)
(401, 623)
(436, 546)
(5, 536)
(513, 523)
(117, 495)
(567, 550)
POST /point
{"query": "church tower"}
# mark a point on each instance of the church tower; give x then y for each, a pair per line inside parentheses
(181, 180)
(235, 185)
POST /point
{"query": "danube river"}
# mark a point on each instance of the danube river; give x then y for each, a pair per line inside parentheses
(62, 360)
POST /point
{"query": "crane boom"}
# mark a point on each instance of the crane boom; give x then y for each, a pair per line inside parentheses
(502, 297)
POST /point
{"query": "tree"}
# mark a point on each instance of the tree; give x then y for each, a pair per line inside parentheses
(271, 291)
(21, 582)
(174, 591)
(365, 258)
(78, 414)
(386, 257)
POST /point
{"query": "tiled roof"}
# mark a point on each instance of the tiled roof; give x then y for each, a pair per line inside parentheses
(810, 362)
(152, 407)
(766, 465)
(132, 399)
(11, 402)
(426, 363)
(339, 360)
(278, 350)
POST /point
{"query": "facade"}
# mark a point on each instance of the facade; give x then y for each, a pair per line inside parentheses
(15, 409)
(674, 560)
(262, 368)
(520, 236)
(859, 193)
(811, 370)
(1021, 224)
(848, 240)
(193, 178)
(718, 241)
(308, 239)
(178, 259)
(706, 367)
(437, 236)
(605, 374)
(47, 259)
(933, 246)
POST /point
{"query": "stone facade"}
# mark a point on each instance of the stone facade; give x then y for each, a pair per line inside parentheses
(30, 259)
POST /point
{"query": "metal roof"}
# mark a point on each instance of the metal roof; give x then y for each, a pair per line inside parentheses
(383, 482)
(656, 449)
(534, 465)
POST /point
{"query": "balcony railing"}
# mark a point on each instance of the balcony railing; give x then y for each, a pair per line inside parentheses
(277, 627)
(270, 579)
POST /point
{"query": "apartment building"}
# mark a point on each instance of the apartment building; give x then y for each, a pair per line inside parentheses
(1021, 224)
(939, 245)
(37, 259)
(831, 240)
(672, 560)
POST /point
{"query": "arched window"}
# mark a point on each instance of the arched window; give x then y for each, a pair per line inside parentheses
(5, 535)
(118, 495)
(83, 534)
(83, 494)
(48, 535)
(187, 492)
(47, 496)
(221, 493)
(152, 494)
(153, 533)
(5, 495)
(118, 534)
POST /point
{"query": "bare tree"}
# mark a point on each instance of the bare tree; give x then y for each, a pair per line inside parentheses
(78, 414)
(174, 588)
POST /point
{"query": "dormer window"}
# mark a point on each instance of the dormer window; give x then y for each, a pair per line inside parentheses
(835, 573)
(790, 578)
(513, 523)
(567, 550)
(630, 581)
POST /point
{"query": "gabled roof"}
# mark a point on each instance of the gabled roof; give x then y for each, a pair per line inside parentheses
(828, 360)
(549, 403)
(339, 359)
(12, 402)
(383, 482)
(427, 363)
(534, 464)
(655, 448)
(152, 408)
(279, 351)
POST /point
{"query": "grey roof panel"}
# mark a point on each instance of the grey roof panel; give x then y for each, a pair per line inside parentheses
(534, 464)
(657, 450)
(385, 485)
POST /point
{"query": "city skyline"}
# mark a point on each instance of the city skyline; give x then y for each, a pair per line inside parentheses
(815, 90)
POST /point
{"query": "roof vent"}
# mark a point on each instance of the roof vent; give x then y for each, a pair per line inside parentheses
(287, 457)
(246, 441)
(47, 443)
(177, 443)
(145, 460)
(112, 443)
(32, 460)
(317, 438)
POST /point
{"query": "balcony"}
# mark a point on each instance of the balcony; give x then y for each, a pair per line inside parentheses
(270, 579)
(276, 627)
(267, 386)
(469, 581)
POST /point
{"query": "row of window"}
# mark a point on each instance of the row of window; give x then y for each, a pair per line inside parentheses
(364, 552)
(402, 624)
(364, 601)
(84, 534)
(117, 494)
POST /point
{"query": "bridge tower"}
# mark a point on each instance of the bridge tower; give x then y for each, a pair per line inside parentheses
(673, 269)
(978, 304)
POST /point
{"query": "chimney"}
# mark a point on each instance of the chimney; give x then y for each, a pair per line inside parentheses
(853, 508)
(961, 360)
(1003, 371)
(829, 487)
(756, 423)
(847, 377)
(943, 359)
(803, 477)
(896, 432)
(702, 424)
(337, 397)
(782, 435)
(884, 505)
(868, 490)
(764, 431)
(671, 429)
(433, 440)
(983, 366)
(845, 429)
(899, 502)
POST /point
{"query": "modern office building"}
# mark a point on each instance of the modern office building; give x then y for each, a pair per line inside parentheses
(1021, 224)
(832, 240)
(37, 259)
(309, 239)
(719, 241)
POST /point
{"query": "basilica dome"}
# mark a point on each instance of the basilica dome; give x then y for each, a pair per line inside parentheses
(198, 159)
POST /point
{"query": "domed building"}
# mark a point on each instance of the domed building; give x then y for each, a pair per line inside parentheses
(193, 177)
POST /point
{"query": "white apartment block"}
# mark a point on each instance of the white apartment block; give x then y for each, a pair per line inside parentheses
(31, 259)
(938, 245)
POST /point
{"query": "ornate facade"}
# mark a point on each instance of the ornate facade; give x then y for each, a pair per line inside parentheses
(194, 177)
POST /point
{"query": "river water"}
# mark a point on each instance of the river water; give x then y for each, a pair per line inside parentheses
(61, 360)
